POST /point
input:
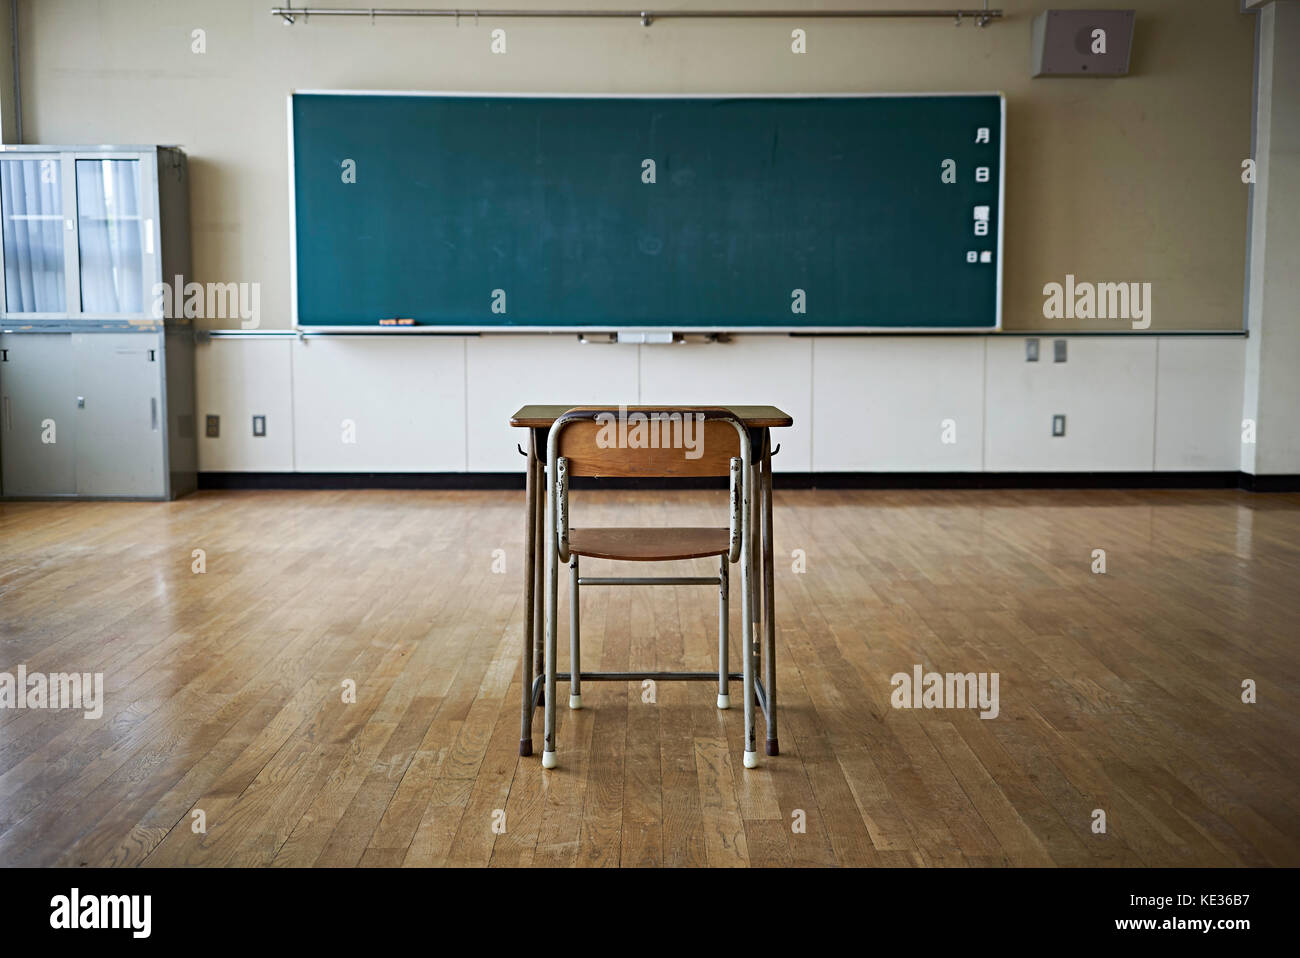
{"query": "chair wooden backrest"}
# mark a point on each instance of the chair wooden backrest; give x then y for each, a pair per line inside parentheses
(648, 441)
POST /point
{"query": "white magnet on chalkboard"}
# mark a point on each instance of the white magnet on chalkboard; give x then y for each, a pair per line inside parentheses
(986, 256)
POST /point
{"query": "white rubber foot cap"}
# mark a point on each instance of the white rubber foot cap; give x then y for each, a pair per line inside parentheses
(575, 702)
(548, 759)
(751, 760)
(724, 702)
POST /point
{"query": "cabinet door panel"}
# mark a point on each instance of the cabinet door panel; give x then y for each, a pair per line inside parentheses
(35, 254)
(119, 427)
(110, 235)
(37, 415)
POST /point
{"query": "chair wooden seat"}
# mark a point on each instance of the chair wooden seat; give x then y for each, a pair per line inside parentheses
(635, 544)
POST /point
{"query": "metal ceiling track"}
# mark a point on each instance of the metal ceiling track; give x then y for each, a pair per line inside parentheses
(980, 17)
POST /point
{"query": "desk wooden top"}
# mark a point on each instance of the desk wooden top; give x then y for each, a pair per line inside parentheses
(755, 417)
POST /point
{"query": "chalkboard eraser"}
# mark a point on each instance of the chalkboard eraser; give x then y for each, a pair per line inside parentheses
(397, 321)
(645, 336)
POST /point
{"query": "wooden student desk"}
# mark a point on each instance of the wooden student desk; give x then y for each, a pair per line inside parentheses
(760, 420)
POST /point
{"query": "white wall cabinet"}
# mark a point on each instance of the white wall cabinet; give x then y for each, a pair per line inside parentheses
(379, 404)
(898, 404)
(748, 370)
(1106, 389)
(1199, 388)
(503, 373)
(861, 404)
(238, 380)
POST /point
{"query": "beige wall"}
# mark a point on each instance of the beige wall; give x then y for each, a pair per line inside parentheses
(1132, 179)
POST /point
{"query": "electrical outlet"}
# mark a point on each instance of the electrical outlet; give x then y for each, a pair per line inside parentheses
(259, 426)
(213, 429)
(1031, 350)
(1058, 350)
(1058, 425)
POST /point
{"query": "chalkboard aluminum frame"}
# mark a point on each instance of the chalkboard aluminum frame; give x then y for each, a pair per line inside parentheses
(755, 330)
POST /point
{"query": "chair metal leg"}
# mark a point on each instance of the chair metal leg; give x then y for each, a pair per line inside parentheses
(756, 591)
(724, 700)
(575, 641)
(552, 603)
(539, 572)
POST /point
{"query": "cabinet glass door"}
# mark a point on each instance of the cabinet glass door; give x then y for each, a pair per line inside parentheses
(31, 204)
(110, 236)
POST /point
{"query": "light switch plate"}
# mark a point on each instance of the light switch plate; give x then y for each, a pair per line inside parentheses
(213, 427)
(1058, 424)
(1031, 350)
(1058, 351)
(259, 426)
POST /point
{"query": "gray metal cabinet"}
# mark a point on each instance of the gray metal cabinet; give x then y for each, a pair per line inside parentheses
(119, 414)
(98, 375)
(37, 406)
(81, 414)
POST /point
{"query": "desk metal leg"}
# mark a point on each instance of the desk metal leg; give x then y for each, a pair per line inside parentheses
(530, 600)
(748, 586)
(551, 560)
(769, 601)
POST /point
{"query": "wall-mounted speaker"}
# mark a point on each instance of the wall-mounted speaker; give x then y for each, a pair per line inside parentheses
(1082, 43)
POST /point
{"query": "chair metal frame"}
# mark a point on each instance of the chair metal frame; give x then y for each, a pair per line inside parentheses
(557, 551)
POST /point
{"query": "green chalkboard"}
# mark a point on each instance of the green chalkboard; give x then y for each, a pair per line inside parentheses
(602, 213)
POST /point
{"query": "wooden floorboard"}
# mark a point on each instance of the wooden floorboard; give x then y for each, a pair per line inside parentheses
(225, 690)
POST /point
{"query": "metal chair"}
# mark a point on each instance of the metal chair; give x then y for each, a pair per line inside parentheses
(598, 441)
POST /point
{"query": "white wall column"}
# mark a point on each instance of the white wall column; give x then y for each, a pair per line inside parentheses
(1272, 382)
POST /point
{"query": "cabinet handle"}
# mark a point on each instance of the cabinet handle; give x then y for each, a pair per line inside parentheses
(153, 414)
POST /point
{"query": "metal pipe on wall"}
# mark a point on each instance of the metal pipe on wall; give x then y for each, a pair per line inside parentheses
(981, 17)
